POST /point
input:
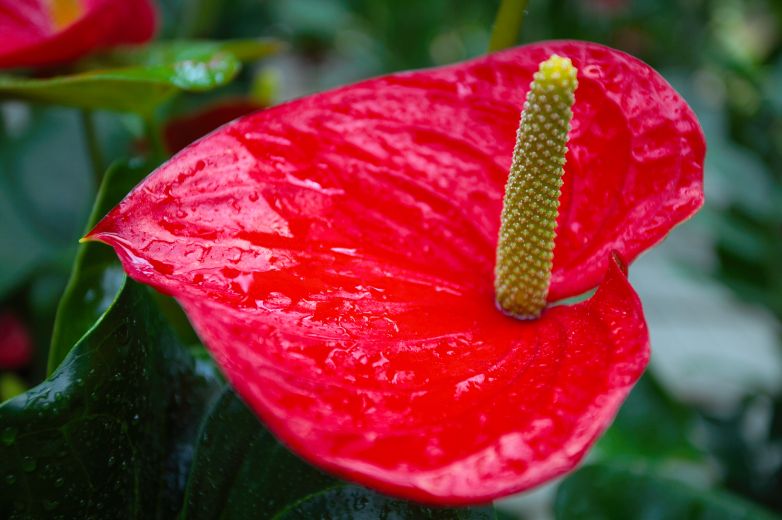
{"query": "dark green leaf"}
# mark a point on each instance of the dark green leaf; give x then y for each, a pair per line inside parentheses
(176, 318)
(97, 274)
(241, 471)
(602, 492)
(109, 434)
(356, 503)
(142, 79)
(650, 426)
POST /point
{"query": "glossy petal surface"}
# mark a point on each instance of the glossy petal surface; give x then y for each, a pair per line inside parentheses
(44, 32)
(336, 254)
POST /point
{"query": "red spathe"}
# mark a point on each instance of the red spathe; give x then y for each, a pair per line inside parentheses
(336, 255)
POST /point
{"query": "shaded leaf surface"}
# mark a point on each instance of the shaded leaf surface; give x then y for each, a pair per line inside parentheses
(605, 492)
(357, 503)
(96, 275)
(241, 471)
(108, 434)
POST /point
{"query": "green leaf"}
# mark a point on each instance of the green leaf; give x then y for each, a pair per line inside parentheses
(97, 274)
(162, 53)
(109, 434)
(241, 471)
(650, 427)
(605, 492)
(355, 503)
(143, 79)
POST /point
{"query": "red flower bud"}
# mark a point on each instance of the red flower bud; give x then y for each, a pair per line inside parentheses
(16, 347)
(44, 32)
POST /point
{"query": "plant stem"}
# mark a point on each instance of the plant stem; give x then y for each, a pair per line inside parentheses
(507, 24)
(93, 146)
(155, 138)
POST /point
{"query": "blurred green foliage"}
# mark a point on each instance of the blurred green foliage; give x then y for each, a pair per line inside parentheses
(725, 56)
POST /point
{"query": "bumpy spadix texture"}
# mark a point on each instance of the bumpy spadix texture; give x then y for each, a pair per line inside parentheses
(49, 32)
(525, 249)
(336, 255)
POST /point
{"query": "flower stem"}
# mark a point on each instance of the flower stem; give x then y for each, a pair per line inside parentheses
(155, 138)
(507, 24)
(93, 145)
(525, 249)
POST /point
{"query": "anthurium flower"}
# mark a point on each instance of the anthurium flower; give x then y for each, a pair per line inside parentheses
(46, 32)
(336, 254)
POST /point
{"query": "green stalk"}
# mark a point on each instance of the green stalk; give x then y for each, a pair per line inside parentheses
(507, 24)
(158, 151)
(93, 145)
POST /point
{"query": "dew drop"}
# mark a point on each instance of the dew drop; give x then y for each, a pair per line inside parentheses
(28, 464)
(8, 436)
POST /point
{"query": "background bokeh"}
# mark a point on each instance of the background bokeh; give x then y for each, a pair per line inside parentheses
(709, 411)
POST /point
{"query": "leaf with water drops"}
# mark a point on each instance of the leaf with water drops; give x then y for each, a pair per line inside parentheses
(241, 471)
(350, 502)
(109, 434)
(141, 80)
(96, 276)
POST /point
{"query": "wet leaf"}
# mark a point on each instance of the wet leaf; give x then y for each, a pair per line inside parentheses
(96, 275)
(142, 80)
(357, 503)
(350, 502)
(241, 471)
(166, 53)
(109, 433)
(606, 492)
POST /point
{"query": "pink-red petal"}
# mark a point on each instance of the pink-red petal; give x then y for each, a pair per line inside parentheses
(33, 36)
